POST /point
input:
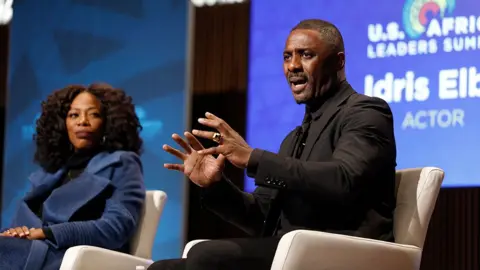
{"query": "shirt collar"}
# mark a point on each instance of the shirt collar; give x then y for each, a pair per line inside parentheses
(315, 110)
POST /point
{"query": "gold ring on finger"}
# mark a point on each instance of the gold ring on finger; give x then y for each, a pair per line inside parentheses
(217, 137)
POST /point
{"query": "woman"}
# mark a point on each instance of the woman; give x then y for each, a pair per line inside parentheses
(89, 190)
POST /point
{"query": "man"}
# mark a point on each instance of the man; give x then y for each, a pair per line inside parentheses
(335, 173)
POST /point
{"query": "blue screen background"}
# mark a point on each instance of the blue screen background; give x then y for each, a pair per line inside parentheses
(137, 45)
(450, 145)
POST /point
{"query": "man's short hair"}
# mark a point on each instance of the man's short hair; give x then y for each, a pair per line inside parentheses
(328, 31)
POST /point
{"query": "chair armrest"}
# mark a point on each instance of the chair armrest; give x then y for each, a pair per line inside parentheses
(190, 244)
(313, 250)
(89, 257)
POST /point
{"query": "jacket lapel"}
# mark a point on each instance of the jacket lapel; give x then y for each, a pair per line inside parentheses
(289, 144)
(102, 161)
(69, 198)
(333, 105)
(64, 201)
(43, 182)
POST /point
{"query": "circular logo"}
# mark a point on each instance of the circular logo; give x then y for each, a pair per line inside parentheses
(418, 13)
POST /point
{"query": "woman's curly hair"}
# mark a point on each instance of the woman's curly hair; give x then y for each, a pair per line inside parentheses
(120, 124)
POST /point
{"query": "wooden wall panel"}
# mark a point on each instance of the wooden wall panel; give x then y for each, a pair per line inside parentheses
(453, 238)
(220, 65)
(221, 49)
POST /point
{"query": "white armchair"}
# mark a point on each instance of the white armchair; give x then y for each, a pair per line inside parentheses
(416, 191)
(89, 257)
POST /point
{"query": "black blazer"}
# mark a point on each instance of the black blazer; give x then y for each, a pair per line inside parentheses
(344, 182)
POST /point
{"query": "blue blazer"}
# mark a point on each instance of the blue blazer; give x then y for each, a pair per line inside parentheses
(111, 188)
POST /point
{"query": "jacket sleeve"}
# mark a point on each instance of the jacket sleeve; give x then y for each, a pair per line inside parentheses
(366, 144)
(121, 214)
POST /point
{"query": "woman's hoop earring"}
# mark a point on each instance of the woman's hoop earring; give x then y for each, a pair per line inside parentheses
(103, 139)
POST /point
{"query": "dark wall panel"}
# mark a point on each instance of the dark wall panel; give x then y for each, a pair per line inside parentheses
(231, 107)
(221, 49)
(453, 235)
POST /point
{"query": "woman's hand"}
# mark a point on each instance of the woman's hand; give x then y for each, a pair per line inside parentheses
(36, 234)
(19, 232)
(24, 232)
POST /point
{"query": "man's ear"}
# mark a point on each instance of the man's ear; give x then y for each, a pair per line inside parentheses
(340, 61)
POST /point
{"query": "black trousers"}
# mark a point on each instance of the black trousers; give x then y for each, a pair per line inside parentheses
(231, 254)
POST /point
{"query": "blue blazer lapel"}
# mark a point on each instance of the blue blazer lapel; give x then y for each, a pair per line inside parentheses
(70, 197)
(102, 161)
(43, 182)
